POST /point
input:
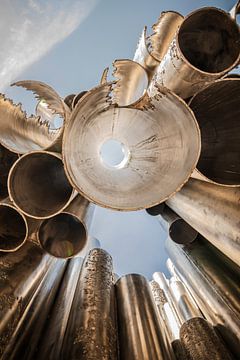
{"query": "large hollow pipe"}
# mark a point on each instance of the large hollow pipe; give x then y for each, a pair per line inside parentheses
(65, 235)
(25, 338)
(213, 211)
(7, 159)
(213, 280)
(20, 275)
(91, 331)
(140, 335)
(205, 48)
(217, 111)
(38, 185)
(50, 346)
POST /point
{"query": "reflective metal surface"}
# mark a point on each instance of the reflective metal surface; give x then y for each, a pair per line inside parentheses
(140, 335)
(7, 159)
(217, 112)
(91, 331)
(38, 185)
(205, 48)
(213, 211)
(20, 274)
(151, 133)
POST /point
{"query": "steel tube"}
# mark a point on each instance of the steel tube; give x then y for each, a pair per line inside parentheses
(20, 274)
(38, 185)
(213, 211)
(7, 159)
(140, 335)
(91, 331)
(205, 48)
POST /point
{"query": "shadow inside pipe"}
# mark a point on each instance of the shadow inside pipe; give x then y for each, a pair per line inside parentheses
(181, 232)
(7, 159)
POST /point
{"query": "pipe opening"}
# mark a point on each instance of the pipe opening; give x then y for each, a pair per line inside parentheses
(38, 185)
(13, 229)
(114, 154)
(7, 159)
(63, 235)
(209, 40)
(181, 232)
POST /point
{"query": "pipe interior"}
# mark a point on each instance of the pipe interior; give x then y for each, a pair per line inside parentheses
(63, 235)
(217, 111)
(156, 210)
(7, 159)
(12, 228)
(209, 40)
(39, 186)
(181, 232)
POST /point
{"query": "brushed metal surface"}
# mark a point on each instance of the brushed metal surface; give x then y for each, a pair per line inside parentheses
(213, 211)
(7, 159)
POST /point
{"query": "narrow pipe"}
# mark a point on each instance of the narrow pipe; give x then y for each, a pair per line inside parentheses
(24, 340)
(20, 274)
(156, 210)
(38, 185)
(51, 343)
(213, 281)
(7, 159)
(91, 331)
(213, 211)
(205, 48)
(140, 335)
(217, 111)
(65, 235)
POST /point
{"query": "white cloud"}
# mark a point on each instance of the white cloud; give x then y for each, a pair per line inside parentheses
(30, 28)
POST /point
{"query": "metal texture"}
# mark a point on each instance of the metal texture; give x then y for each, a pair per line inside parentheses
(51, 343)
(205, 48)
(38, 185)
(151, 49)
(217, 111)
(151, 133)
(213, 211)
(140, 334)
(65, 235)
(24, 340)
(235, 10)
(91, 331)
(213, 280)
(7, 159)
(48, 116)
(20, 274)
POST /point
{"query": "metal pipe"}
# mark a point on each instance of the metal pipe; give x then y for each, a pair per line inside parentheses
(91, 331)
(217, 111)
(51, 343)
(213, 281)
(205, 48)
(65, 235)
(24, 340)
(38, 185)
(20, 274)
(140, 335)
(159, 129)
(156, 210)
(7, 159)
(213, 211)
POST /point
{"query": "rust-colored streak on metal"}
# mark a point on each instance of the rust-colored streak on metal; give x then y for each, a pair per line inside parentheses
(213, 211)
(140, 334)
(38, 185)
(205, 48)
(7, 159)
(212, 280)
(51, 343)
(163, 128)
(217, 112)
(91, 332)
(24, 340)
(20, 274)
(65, 235)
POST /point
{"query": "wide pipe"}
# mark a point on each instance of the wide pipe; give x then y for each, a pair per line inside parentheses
(51, 342)
(91, 330)
(20, 275)
(140, 335)
(213, 211)
(205, 48)
(217, 111)
(65, 235)
(24, 340)
(38, 185)
(213, 281)
(7, 159)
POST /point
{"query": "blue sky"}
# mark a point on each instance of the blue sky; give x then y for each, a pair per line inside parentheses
(67, 44)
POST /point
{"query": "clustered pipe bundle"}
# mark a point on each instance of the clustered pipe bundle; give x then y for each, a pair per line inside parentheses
(173, 111)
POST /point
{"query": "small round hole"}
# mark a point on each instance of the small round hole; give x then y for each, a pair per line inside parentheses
(114, 154)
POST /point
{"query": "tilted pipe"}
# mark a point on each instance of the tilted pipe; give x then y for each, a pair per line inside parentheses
(38, 185)
(7, 159)
(205, 48)
(213, 211)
